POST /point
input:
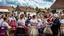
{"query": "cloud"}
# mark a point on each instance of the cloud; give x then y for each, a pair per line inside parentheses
(1, 1)
(49, 0)
(37, 3)
(9, 3)
(31, 3)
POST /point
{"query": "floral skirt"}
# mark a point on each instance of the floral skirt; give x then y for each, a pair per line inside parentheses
(33, 31)
(4, 32)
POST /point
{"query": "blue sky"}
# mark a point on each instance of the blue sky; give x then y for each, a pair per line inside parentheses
(31, 3)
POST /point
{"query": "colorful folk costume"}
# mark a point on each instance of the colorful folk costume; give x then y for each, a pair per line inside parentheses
(47, 31)
(20, 31)
(62, 27)
(13, 23)
(33, 31)
(41, 27)
(3, 30)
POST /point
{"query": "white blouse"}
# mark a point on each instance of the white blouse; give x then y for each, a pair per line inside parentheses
(62, 21)
(10, 19)
(5, 24)
(21, 23)
(1, 21)
(33, 22)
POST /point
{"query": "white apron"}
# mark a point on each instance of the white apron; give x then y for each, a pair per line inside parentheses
(33, 31)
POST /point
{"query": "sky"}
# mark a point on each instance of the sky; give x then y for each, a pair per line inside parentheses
(31, 3)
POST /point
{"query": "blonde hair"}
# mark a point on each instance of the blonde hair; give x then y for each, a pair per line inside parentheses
(22, 16)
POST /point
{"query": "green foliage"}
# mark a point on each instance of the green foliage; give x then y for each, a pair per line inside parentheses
(37, 9)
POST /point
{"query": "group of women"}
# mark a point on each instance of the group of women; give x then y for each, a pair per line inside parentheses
(47, 25)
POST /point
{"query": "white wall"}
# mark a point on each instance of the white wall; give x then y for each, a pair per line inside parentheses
(31, 13)
(59, 10)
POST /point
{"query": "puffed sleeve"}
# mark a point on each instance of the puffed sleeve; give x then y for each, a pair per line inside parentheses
(9, 27)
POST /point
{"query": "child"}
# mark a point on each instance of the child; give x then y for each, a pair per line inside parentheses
(4, 27)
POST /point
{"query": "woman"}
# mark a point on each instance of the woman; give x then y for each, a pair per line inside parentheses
(62, 27)
(47, 31)
(12, 21)
(56, 25)
(40, 27)
(33, 31)
(1, 20)
(4, 28)
(20, 31)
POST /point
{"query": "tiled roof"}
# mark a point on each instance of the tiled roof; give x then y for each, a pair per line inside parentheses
(59, 4)
(7, 7)
(41, 9)
(26, 9)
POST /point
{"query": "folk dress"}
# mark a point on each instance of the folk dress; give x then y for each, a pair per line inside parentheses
(47, 29)
(40, 26)
(33, 31)
(62, 27)
(1, 21)
(20, 27)
(3, 30)
(13, 23)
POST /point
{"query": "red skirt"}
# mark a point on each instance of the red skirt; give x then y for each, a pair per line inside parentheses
(13, 26)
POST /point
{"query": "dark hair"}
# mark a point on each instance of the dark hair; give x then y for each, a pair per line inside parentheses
(45, 16)
(28, 14)
(5, 18)
(33, 16)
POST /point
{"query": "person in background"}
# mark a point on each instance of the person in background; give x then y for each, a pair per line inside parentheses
(20, 31)
(29, 17)
(28, 20)
(4, 27)
(12, 23)
(56, 25)
(47, 22)
(33, 31)
(62, 26)
(40, 27)
(1, 20)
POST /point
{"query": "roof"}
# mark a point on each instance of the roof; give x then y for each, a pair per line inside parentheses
(59, 4)
(10, 9)
(25, 9)
(4, 10)
(41, 9)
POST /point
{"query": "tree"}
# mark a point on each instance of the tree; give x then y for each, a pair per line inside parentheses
(45, 8)
(37, 9)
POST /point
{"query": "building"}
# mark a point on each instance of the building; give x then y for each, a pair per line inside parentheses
(25, 10)
(6, 10)
(58, 6)
(42, 11)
